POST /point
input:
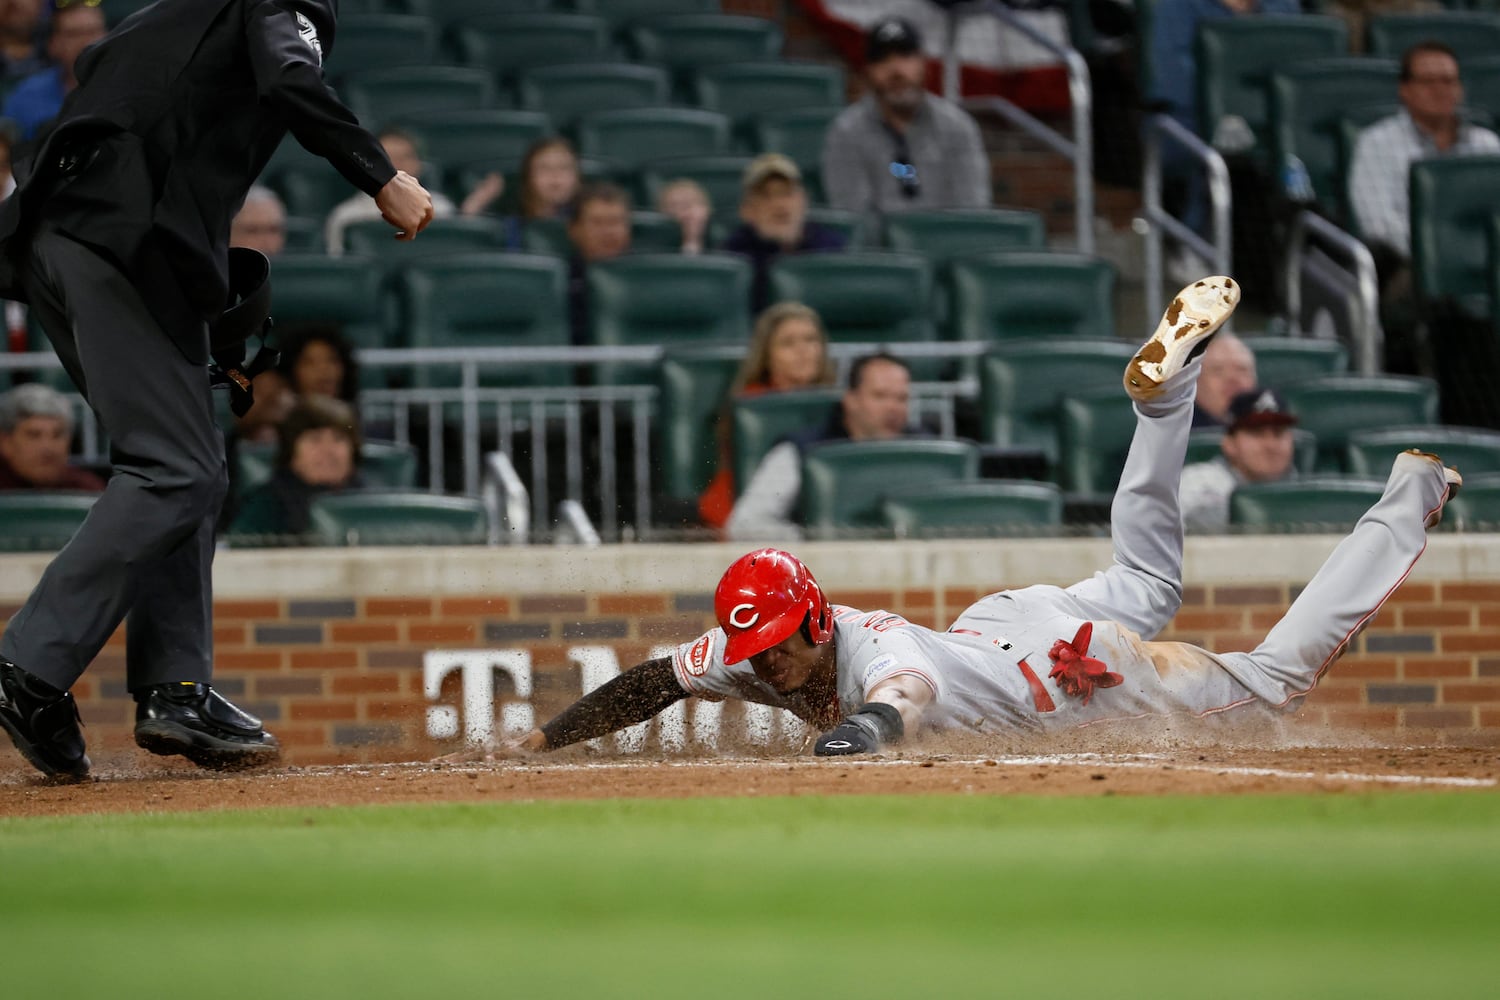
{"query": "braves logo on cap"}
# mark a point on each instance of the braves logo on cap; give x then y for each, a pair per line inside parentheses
(697, 663)
(310, 36)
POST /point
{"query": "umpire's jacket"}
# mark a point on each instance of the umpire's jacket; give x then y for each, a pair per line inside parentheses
(176, 113)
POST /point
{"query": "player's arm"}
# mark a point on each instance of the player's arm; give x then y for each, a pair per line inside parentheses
(635, 696)
(893, 706)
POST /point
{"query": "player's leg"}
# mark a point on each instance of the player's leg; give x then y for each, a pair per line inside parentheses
(1143, 588)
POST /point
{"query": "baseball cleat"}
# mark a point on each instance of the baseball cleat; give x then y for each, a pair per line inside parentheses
(43, 723)
(1190, 322)
(1450, 476)
(198, 723)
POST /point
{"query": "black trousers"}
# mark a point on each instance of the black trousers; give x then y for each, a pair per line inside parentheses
(146, 549)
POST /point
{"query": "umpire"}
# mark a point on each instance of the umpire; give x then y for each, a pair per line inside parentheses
(118, 237)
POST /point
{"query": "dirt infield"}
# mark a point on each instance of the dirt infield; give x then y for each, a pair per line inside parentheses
(134, 783)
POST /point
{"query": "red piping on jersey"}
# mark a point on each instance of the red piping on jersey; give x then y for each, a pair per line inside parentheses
(1039, 695)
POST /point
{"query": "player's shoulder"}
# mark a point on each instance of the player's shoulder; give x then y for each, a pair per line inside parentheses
(693, 660)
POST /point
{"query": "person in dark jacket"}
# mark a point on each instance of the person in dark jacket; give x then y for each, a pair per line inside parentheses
(118, 237)
(318, 453)
(774, 210)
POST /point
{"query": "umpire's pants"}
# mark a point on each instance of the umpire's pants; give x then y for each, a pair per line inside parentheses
(146, 548)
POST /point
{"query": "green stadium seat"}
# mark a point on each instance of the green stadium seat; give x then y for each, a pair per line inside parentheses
(1335, 406)
(398, 518)
(796, 132)
(452, 235)
(364, 41)
(549, 236)
(382, 464)
(859, 230)
(468, 137)
(686, 43)
(974, 509)
(694, 392)
(1452, 203)
(947, 235)
(745, 90)
(1351, 123)
(1468, 449)
(632, 137)
(1095, 428)
(486, 300)
(1280, 361)
(41, 521)
(1010, 295)
(720, 176)
(1237, 55)
(758, 422)
(449, 13)
(507, 44)
(1481, 78)
(1477, 505)
(304, 235)
(566, 93)
(845, 483)
(1308, 100)
(343, 291)
(381, 96)
(1466, 33)
(1021, 385)
(622, 12)
(667, 299)
(862, 297)
(309, 187)
(653, 232)
(1325, 504)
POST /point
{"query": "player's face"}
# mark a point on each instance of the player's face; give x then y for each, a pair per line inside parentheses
(796, 354)
(787, 665)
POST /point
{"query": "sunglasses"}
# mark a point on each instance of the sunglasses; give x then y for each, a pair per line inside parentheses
(904, 170)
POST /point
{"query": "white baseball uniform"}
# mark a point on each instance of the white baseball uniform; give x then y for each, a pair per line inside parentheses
(993, 668)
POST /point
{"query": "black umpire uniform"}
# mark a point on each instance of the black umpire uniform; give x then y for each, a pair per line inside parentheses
(118, 237)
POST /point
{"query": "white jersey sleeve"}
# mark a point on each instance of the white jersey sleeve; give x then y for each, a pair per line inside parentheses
(879, 645)
(700, 669)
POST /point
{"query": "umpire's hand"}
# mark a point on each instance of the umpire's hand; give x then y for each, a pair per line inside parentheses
(405, 204)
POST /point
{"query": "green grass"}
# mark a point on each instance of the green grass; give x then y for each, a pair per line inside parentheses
(1326, 896)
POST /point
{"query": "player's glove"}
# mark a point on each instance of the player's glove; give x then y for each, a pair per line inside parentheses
(875, 724)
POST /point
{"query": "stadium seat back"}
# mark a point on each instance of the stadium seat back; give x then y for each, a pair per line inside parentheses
(694, 392)
(1326, 504)
(759, 422)
(844, 484)
(975, 509)
(1336, 406)
(398, 518)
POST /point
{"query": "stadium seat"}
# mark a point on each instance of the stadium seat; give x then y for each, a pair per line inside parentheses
(507, 44)
(366, 41)
(758, 422)
(1336, 406)
(304, 235)
(1351, 123)
(468, 137)
(1237, 55)
(668, 299)
(632, 137)
(1012, 295)
(1326, 504)
(1481, 78)
(398, 518)
(622, 12)
(720, 176)
(973, 509)
(1280, 361)
(745, 90)
(845, 483)
(1308, 100)
(686, 43)
(343, 291)
(947, 235)
(486, 300)
(381, 96)
(566, 93)
(858, 230)
(382, 464)
(694, 392)
(40, 521)
(796, 132)
(549, 236)
(1468, 449)
(309, 187)
(1022, 383)
(862, 297)
(1094, 432)
(448, 13)
(455, 234)
(1466, 33)
(653, 232)
(1452, 203)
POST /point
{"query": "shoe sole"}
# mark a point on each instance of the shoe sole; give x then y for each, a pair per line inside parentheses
(166, 739)
(36, 760)
(1195, 315)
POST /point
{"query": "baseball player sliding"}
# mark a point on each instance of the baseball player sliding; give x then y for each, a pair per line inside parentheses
(1042, 658)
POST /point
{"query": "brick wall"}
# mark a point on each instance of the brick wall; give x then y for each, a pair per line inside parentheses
(329, 646)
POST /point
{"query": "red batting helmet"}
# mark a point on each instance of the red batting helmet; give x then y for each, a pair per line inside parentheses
(764, 597)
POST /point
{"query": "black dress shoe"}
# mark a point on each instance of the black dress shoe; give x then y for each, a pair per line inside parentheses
(197, 722)
(43, 723)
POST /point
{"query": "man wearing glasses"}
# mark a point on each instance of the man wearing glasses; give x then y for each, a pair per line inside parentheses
(899, 147)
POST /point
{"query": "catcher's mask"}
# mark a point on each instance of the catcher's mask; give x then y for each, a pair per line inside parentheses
(763, 598)
(247, 314)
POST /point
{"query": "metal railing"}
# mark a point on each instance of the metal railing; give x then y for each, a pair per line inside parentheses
(1158, 128)
(1367, 336)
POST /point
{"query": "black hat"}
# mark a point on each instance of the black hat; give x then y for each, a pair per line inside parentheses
(1260, 408)
(891, 36)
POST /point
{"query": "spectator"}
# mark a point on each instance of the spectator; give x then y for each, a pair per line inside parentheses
(774, 210)
(875, 407)
(549, 179)
(36, 430)
(687, 202)
(1428, 125)
(599, 230)
(318, 455)
(7, 145)
(900, 147)
(1228, 370)
(788, 351)
(20, 26)
(37, 99)
(260, 224)
(318, 360)
(1257, 448)
(401, 147)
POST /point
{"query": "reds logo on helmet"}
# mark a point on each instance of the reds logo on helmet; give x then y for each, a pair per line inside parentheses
(763, 598)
